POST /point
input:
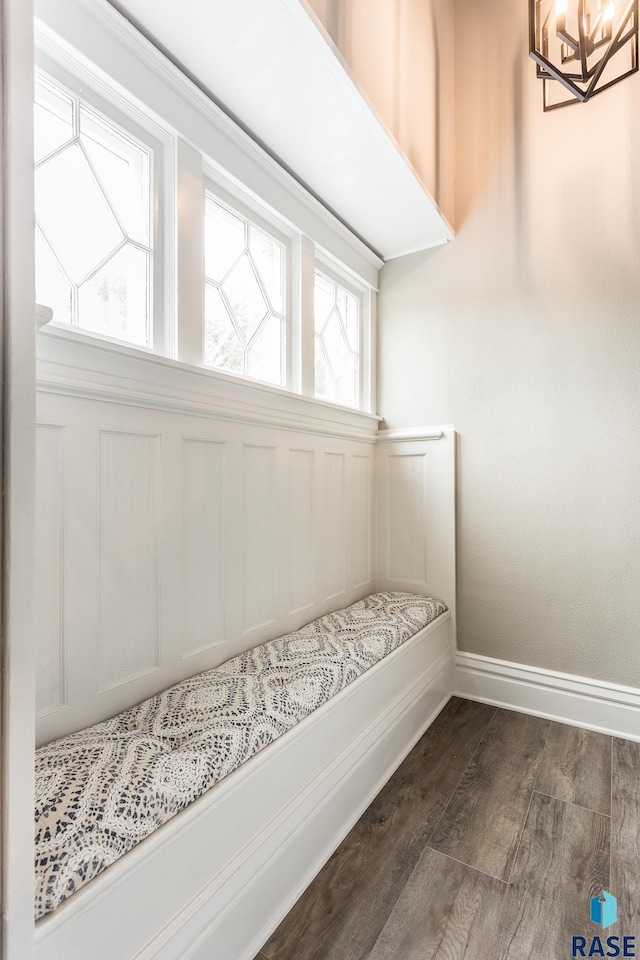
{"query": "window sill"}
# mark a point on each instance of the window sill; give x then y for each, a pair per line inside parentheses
(73, 364)
(44, 315)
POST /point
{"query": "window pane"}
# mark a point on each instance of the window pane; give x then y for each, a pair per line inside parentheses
(323, 383)
(53, 118)
(52, 287)
(123, 171)
(114, 301)
(222, 345)
(265, 356)
(94, 218)
(224, 240)
(268, 259)
(337, 342)
(350, 311)
(244, 296)
(324, 299)
(73, 213)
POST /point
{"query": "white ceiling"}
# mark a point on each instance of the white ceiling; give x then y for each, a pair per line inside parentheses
(268, 63)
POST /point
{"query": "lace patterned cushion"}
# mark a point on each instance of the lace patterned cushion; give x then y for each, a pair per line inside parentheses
(101, 791)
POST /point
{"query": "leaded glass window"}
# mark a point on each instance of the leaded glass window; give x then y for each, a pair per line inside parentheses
(337, 342)
(94, 236)
(245, 273)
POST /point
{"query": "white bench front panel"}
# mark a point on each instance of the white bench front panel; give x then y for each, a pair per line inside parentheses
(215, 881)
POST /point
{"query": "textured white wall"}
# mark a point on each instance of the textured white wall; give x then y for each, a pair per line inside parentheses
(525, 332)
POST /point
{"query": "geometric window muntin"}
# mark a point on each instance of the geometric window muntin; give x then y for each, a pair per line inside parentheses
(94, 246)
(337, 342)
(245, 277)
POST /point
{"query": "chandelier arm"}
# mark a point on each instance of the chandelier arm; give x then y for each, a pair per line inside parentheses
(614, 46)
(611, 83)
(582, 34)
(566, 37)
(557, 74)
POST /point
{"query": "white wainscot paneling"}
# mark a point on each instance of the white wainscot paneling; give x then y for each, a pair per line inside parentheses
(362, 521)
(415, 530)
(300, 529)
(406, 548)
(187, 539)
(204, 469)
(128, 556)
(334, 520)
(258, 536)
(50, 567)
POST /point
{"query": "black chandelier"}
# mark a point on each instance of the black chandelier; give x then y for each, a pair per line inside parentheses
(581, 47)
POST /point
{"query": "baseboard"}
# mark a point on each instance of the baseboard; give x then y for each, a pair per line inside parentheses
(580, 701)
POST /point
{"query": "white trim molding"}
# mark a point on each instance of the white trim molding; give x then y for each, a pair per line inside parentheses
(44, 315)
(414, 433)
(18, 465)
(579, 701)
(73, 365)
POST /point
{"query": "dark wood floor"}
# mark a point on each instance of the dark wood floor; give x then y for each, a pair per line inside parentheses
(487, 844)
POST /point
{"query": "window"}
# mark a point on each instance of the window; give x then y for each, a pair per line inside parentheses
(245, 294)
(161, 226)
(337, 341)
(94, 229)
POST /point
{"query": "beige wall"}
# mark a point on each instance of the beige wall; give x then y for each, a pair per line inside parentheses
(525, 332)
(400, 53)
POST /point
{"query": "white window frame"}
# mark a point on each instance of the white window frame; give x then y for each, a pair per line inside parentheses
(265, 220)
(201, 146)
(83, 84)
(365, 296)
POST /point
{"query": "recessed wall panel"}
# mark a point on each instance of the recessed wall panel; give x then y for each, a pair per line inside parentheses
(361, 519)
(49, 567)
(300, 505)
(334, 520)
(203, 544)
(258, 508)
(128, 556)
(407, 518)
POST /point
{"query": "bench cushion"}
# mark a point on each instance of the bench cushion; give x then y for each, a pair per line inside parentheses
(100, 791)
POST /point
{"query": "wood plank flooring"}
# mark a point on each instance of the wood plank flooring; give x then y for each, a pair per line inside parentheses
(562, 862)
(424, 927)
(344, 910)
(577, 768)
(625, 831)
(486, 844)
(483, 820)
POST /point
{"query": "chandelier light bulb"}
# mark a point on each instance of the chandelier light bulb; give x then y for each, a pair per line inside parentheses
(561, 7)
(609, 12)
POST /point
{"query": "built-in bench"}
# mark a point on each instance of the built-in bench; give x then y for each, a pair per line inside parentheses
(101, 791)
(216, 880)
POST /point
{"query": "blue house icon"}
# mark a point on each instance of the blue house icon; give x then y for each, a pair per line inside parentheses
(604, 909)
